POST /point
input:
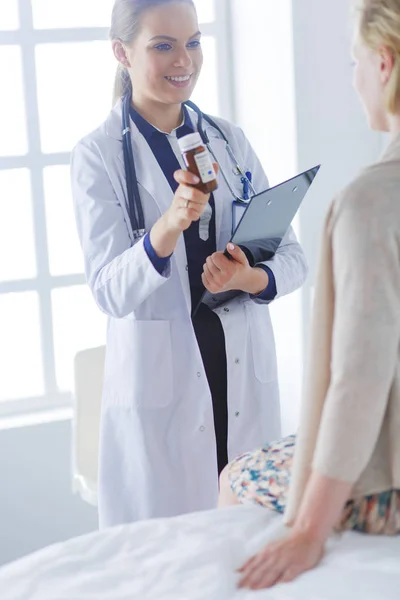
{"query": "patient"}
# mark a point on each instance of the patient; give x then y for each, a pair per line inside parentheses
(346, 468)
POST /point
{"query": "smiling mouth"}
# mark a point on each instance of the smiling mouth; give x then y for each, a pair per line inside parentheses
(181, 79)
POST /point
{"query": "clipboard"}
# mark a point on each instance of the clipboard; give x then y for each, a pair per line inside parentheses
(264, 222)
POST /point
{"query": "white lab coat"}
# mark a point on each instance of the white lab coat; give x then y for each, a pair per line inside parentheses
(157, 439)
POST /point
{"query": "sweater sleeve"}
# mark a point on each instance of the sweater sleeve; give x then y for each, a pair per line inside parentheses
(365, 336)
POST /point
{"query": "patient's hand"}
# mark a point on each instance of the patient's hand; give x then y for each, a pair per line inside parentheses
(282, 561)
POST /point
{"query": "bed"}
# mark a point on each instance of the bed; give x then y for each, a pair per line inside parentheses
(194, 557)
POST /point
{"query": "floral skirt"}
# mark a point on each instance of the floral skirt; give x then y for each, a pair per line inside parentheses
(262, 477)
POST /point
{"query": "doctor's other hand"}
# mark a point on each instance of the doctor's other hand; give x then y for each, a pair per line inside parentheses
(221, 274)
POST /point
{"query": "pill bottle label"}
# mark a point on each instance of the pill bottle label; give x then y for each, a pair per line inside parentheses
(205, 166)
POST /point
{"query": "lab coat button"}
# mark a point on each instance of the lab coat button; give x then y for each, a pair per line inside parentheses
(199, 374)
(237, 361)
(202, 428)
(226, 309)
(237, 414)
(187, 267)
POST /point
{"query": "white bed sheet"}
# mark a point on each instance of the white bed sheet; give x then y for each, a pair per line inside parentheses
(194, 557)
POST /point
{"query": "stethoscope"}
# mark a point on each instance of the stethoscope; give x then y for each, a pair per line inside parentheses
(134, 202)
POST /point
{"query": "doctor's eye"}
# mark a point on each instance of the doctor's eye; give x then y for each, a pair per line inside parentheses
(194, 45)
(163, 47)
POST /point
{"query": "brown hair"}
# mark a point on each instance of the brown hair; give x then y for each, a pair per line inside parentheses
(125, 24)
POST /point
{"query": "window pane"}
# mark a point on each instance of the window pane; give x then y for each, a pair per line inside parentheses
(54, 14)
(65, 254)
(78, 324)
(206, 92)
(17, 245)
(13, 140)
(83, 75)
(20, 346)
(9, 17)
(50, 14)
(205, 10)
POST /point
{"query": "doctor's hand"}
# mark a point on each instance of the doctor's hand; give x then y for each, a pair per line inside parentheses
(221, 274)
(187, 206)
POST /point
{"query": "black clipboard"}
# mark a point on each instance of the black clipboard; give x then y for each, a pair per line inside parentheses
(264, 223)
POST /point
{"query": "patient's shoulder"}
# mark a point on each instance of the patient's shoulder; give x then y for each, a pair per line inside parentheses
(373, 194)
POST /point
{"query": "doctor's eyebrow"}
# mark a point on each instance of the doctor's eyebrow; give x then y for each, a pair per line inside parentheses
(171, 39)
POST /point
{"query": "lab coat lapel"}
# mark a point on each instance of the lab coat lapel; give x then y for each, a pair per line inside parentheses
(151, 179)
(148, 171)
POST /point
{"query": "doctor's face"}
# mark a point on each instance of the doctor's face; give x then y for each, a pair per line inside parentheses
(166, 56)
(369, 81)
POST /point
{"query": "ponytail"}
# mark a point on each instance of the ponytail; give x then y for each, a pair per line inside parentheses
(122, 83)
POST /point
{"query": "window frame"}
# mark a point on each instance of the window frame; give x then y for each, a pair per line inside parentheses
(26, 37)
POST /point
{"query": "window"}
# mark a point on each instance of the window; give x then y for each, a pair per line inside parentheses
(59, 69)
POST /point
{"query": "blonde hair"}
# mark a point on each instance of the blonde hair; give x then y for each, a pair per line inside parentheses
(125, 24)
(379, 25)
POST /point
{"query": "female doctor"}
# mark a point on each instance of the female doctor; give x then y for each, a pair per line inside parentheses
(181, 394)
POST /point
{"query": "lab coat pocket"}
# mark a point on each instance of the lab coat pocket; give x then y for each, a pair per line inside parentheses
(262, 342)
(139, 364)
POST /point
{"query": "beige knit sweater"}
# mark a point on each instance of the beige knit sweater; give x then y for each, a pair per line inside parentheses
(350, 419)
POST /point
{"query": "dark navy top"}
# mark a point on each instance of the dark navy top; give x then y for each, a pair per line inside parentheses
(197, 249)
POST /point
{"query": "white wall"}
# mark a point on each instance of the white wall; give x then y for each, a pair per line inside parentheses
(295, 101)
(331, 126)
(37, 507)
(265, 109)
